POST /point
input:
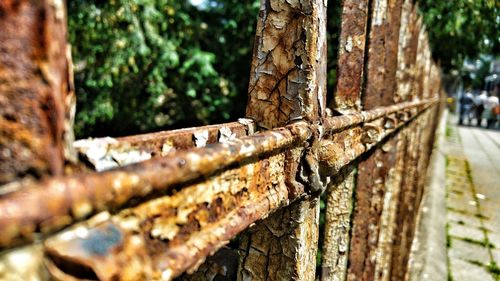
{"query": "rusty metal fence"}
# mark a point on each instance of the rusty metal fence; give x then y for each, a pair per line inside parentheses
(158, 205)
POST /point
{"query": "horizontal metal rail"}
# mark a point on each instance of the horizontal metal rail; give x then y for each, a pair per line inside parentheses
(191, 224)
(27, 211)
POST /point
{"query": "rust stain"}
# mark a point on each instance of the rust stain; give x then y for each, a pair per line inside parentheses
(77, 197)
(351, 56)
(73, 198)
(160, 239)
(285, 84)
(161, 203)
(35, 84)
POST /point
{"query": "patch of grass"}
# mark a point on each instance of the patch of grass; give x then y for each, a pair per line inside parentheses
(484, 229)
(493, 268)
(449, 131)
(448, 237)
(448, 246)
(463, 212)
(481, 216)
(474, 262)
(482, 243)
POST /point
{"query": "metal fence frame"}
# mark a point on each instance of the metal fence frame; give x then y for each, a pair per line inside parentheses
(171, 199)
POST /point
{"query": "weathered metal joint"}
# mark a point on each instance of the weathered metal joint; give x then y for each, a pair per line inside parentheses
(372, 133)
(310, 169)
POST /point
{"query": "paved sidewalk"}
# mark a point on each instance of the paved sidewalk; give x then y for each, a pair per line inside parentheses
(473, 203)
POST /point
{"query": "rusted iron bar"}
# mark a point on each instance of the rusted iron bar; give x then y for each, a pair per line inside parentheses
(347, 100)
(184, 138)
(274, 246)
(390, 206)
(160, 239)
(288, 63)
(339, 206)
(407, 47)
(24, 212)
(351, 56)
(288, 83)
(106, 153)
(36, 89)
(390, 213)
(339, 123)
(392, 43)
(374, 171)
(73, 198)
(166, 236)
(374, 94)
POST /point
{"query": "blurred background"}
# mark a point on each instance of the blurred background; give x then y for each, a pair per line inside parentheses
(149, 65)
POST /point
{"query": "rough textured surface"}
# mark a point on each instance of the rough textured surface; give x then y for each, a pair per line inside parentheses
(35, 89)
(76, 197)
(338, 226)
(407, 199)
(375, 169)
(172, 199)
(369, 203)
(428, 257)
(406, 46)
(374, 94)
(389, 212)
(284, 248)
(107, 153)
(287, 80)
(288, 83)
(169, 235)
(351, 57)
(392, 37)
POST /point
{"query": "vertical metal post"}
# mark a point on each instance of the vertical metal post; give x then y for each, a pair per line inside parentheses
(373, 175)
(287, 84)
(36, 106)
(347, 99)
(339, 205)
(407, 207)
(35, 86)
(351, 56)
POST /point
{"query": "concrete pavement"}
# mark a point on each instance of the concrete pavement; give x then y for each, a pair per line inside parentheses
(473, 202)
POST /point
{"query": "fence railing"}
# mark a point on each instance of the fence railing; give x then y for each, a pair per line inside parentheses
(158, 205)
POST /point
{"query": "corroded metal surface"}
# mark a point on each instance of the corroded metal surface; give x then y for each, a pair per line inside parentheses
(392, 38)
(288, 83)
(375, 93)
(35, 87)
(405, 48)
(339, 205)
(273, 247)
(164, 202)
(76, 197)
(106, 153)
(351, 56)
(388, 216)
(406, 200)
(27, 211)
(288, 62)
(164, 237)
(374, 170)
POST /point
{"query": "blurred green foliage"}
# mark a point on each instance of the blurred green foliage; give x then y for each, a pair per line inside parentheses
(144, 65)
(462, 29)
